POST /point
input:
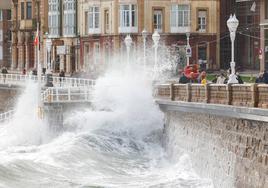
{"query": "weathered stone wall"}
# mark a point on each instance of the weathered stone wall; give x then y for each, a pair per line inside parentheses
(247, 95)
(8, 98)
(232, 152)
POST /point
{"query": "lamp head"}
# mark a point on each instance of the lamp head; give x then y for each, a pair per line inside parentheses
(232, 23)
(128, 41)
(144, 33)
(156, 37)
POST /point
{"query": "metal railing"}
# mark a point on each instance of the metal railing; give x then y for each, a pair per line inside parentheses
(18, 79)
(6, 116)
(66, 95)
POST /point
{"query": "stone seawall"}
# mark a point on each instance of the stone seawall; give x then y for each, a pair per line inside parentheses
(8, 97)
(233, 152)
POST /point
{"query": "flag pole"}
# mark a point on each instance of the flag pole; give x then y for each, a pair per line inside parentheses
(40, 104)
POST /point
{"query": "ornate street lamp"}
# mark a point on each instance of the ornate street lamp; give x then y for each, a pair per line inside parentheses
(156, 38)
(128, 42)
(188, 48)
(49, 73)
(144, 36)
(232, 24)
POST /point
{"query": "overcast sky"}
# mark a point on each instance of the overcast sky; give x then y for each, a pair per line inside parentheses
(5, 3)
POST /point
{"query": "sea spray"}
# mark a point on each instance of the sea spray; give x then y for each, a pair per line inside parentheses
(115, 143)
(25, 128)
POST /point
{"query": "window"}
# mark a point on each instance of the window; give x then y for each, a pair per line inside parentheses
(29, 10)
(266, 9)
(69, 23)
(22, 10)
(8, 14)
(107, 21)
(158, 20)
(1, 35)
(96, 54)
(202, 20)
(180, 18)
(1, 52)
(1, 15)
(128, 19)
(54, 18)
(202, 55)
(94, 20)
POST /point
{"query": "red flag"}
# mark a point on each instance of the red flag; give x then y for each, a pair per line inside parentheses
(36, 40)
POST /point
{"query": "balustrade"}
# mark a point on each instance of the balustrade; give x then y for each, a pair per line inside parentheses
(245, 95)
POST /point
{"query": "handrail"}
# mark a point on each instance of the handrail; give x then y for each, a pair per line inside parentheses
(6, 116)
(66, 94)
(57, 81)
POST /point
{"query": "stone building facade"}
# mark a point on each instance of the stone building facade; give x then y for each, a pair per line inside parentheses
(5, 38)
(103, 26)
(25, 16)
(62, 32)
(264, 34)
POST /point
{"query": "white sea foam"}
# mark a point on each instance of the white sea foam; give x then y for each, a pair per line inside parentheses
(116, 143)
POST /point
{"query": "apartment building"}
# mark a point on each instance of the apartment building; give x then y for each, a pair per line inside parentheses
(25, 16)
(263, 54)
(104, 24)
(5, 38)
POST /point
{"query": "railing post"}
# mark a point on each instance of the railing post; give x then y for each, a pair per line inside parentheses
(57, 94)
(254, 99)
(189, 92)
(229, 94)
(207, 93)
(172, 97)
(69, 94)
(85, 91)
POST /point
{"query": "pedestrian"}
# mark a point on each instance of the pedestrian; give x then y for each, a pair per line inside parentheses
(265, 76)
(260, 79)
(183, 79)
(221, 79)
(4, 72)
(24, 71)
(61, 75)
(192, 78)
(239, 79)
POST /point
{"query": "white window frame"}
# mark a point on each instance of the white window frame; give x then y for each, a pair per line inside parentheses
(126, 23)
(69, 18)
(202, 20)
(159, 20)
(1, 35)
(107, 21)
(94, 20)
(1, 52)
(96, 52)
(1, 15)
(177, 15)
(54, 18)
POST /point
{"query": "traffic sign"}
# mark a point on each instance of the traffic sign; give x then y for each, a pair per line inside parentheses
(188, 51)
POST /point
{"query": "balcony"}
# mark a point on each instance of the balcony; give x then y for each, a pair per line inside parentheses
(15, 25)
(27, 24)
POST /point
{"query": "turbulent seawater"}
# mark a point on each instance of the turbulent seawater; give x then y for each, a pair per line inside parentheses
(115, 143)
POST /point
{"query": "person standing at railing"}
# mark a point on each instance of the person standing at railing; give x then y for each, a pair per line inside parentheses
(4, 72)
(24, 71)
(61, 75)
